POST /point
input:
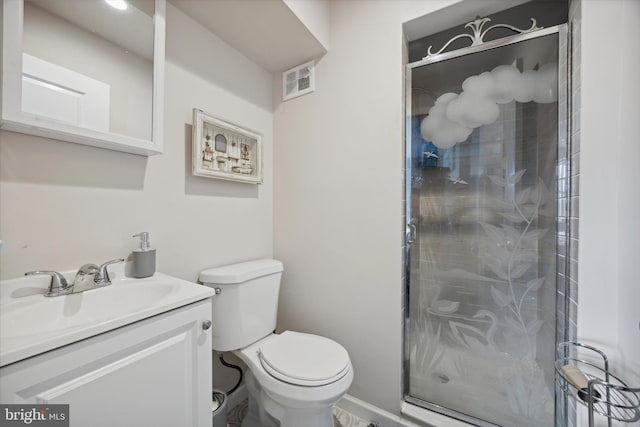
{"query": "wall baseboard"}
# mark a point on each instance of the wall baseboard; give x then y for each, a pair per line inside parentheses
(419, 417)
(372, 414)
(429, 418)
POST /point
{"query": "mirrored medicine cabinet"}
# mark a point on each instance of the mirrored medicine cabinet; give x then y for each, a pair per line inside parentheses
(85, 71)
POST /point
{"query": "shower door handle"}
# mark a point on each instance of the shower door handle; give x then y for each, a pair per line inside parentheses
(411, 231)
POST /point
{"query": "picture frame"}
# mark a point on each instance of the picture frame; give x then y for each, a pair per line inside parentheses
(225, 150)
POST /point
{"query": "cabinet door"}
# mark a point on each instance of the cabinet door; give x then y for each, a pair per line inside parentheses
(156, 372)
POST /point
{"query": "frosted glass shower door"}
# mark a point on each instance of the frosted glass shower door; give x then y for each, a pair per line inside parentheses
(484, 180)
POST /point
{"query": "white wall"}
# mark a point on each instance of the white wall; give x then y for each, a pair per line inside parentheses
(629, 195)
(609, 290)
(338, 189)
(315, 16)
(63, 204)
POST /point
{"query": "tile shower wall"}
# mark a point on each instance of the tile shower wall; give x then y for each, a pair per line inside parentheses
(568, 260)
(575, 21)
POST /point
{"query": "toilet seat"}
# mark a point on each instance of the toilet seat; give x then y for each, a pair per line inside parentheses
(304, 359)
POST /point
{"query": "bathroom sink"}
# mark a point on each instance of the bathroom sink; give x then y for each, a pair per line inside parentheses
(31, 323)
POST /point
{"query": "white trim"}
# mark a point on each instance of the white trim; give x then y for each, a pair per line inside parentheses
(430, 418)
(373, 414)
(159, 41)
(412, 415)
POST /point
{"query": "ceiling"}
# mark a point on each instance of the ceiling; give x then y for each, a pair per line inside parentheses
(266, 31)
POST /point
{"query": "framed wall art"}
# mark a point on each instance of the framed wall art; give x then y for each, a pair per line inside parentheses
(225, 151)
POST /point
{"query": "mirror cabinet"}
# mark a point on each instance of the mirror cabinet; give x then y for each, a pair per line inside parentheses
(85, 71)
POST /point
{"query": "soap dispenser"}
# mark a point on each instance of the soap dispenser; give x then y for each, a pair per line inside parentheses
(144, 258)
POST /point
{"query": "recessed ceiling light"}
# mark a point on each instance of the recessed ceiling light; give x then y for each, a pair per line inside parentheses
(117, 4)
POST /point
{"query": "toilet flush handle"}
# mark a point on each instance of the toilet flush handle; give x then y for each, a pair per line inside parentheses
(218, 291)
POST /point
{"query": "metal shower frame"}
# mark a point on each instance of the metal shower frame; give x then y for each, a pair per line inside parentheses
(563, 183)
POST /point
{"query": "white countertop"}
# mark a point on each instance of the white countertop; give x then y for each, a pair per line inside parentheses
(31, 323)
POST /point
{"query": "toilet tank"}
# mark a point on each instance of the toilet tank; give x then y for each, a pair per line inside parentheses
(245, 310)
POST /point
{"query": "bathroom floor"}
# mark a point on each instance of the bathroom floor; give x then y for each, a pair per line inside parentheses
(341, 418)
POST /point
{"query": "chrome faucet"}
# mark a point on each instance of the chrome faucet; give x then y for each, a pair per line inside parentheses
(89, 276)
(58, 284)
(102, 276)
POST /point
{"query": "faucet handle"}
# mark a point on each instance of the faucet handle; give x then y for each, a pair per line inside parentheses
(102, 276)
(58, 284)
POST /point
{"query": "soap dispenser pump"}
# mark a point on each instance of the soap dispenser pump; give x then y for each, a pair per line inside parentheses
(144, 258)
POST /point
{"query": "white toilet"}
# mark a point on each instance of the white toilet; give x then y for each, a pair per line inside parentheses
(293, 379)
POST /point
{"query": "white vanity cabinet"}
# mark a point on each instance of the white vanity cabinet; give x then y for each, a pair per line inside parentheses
(154, 372)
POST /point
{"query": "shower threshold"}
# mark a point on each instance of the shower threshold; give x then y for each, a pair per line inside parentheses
(415, 410)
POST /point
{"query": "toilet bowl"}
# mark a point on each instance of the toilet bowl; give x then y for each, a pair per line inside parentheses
(293, 378)
(299, 377)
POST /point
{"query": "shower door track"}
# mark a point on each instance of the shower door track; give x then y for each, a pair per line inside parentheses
(563, 176)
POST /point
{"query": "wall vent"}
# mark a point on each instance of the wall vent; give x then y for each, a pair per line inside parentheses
(298, 81)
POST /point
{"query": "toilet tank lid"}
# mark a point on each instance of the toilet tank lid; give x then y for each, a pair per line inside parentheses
(241, 272)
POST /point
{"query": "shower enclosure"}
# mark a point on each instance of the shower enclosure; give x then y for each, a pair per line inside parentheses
(487, 190)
